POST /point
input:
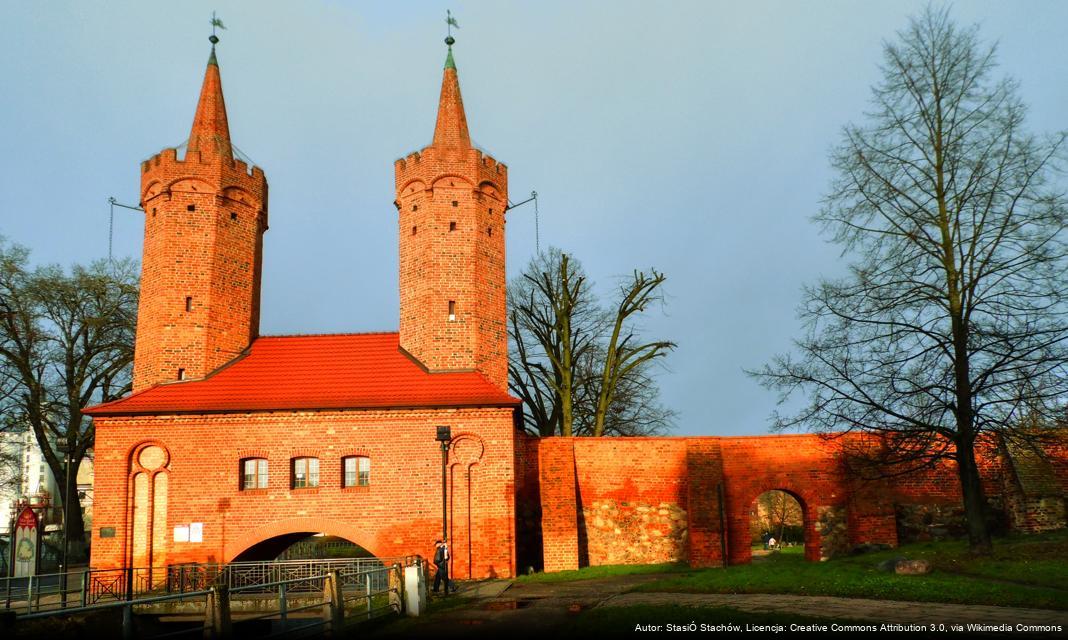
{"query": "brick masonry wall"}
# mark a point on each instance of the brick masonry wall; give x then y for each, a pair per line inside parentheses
(632, 497)
(529, 551)
(706, 508)
(624, 500)
(398, 514)
(450, 206)
(212, 254)
(559, 506)
(805, 466)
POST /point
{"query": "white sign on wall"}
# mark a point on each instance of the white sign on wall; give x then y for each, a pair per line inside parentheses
(192, 532)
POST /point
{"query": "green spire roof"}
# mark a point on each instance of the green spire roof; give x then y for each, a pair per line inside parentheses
(449, 63)
(211, 58)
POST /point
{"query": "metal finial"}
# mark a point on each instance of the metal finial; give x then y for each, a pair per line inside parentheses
(215, 22)
(450, 22)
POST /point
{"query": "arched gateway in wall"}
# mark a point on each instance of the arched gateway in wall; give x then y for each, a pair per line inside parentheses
(594, 501)
(269, 540)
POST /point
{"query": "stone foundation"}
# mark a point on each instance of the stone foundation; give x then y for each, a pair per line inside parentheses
(634, 533)
(833, 527)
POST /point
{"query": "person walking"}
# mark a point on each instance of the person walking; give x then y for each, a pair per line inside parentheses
(441, 560)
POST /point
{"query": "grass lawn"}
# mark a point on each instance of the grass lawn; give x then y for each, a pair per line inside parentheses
(1025, 571)
(612, 620)
(795, 550)
(604, 571)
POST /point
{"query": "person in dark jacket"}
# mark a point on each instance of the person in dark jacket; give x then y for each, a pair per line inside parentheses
(441, 560)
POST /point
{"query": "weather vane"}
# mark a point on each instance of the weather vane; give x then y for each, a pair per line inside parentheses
(215, 22)
(450, 22)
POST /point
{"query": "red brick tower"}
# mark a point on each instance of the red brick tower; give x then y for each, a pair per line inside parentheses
(451, 200)
(205, 215)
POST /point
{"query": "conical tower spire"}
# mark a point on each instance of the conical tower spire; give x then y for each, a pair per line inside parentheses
(451, 128)
(211, 132)
(200, 290)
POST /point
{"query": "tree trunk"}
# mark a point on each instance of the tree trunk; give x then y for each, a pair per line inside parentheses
(974, 502)
(74, 530)
(76, 552)
(567, 374)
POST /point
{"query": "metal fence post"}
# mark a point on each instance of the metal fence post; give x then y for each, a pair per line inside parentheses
(334, 612)
(127, 622)
(29, 595)
(85, 587)
(282, 613)
(367, 580)
(217, 622)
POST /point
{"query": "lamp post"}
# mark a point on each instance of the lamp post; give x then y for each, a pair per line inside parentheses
(64, 447)
(445, 438)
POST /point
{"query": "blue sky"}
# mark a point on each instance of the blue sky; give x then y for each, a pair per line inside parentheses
(687, 136)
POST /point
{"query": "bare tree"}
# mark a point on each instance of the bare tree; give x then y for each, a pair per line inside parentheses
(554, 322)
(625, 356)
(951, 324)
(777, 510)
(579, 369)
(66, 341)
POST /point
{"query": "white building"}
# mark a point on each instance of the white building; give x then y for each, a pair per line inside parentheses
(24, 474)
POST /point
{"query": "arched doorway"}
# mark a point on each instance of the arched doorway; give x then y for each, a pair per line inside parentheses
(777, 525)
(786, 516)
(268, 542)
(303, 545)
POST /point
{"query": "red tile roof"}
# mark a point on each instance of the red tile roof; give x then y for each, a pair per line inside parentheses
(345, 371)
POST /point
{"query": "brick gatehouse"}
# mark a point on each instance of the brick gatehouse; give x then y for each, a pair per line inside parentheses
(234, 445)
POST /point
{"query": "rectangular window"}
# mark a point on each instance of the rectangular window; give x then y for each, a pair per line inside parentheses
(364, 478)
(356, 471)
(305, 473)
(452, 226)
(349, 468)
(181, 374)
(189, 303)
(254, 473)
(452, 310)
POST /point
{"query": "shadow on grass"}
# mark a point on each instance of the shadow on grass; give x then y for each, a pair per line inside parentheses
(1036, 564)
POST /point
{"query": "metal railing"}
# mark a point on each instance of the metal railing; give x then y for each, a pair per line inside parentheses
(50, 591)
(336, 601)
(60, 591)
(250, 574)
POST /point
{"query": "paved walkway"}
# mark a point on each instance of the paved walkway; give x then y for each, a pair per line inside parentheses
(889, 611)
(503, 608)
